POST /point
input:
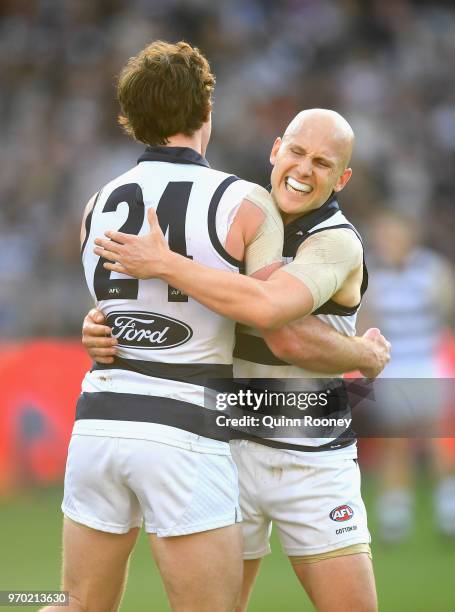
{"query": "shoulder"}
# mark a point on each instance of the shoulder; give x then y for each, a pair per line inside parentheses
(237, 189)
(262, 199)
(259, 221)
(219, 176)
(337, 245)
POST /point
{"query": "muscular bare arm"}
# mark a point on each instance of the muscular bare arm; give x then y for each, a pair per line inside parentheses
(313, 345)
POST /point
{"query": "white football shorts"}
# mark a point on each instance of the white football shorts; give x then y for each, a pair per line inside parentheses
(112, 484)
(315, 508)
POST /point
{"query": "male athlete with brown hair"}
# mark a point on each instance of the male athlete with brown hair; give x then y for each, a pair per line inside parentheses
(144, 446)
(305, 486)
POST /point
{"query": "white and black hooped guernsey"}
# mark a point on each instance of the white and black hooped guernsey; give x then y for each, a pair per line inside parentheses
(169, 346)
(254, 360)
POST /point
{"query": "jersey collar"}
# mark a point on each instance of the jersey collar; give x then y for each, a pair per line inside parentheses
(306, 222)
(173, 155)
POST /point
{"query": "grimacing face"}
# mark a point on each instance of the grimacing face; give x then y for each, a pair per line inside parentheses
(308, 164)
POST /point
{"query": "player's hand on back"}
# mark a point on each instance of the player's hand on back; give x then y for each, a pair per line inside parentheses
(138, 256)
(97, 338)
(379, 348)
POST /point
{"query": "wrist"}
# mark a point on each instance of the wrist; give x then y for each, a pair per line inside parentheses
(168, 264)
(365, 354)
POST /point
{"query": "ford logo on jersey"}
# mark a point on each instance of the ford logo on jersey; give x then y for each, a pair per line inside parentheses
(342, 513)
(147, 330)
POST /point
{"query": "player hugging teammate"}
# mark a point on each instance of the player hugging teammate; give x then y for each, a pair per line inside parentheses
(144, 444)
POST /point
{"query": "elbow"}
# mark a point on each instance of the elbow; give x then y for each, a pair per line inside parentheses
(268, 318)
(294, 350)
(266, 313)
(282, 347)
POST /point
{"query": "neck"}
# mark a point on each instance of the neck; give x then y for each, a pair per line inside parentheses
(181, 140)
(290, 218)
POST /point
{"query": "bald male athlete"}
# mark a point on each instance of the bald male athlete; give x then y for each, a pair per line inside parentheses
(318, 478)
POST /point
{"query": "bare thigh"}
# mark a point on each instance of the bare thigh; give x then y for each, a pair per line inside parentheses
(202, 572)
(94, 567)
(341, 584)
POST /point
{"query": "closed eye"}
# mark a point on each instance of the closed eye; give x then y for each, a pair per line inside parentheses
(323, 163)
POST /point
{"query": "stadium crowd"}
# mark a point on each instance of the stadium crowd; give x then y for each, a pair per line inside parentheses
(387, 66)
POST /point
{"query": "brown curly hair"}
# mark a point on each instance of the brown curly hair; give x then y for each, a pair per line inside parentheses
(164, 90)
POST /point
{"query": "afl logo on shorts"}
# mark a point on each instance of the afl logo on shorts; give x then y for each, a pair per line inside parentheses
(147, 330)
(342, 513)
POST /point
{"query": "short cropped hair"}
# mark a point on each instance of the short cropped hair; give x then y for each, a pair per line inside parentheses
(164, 90)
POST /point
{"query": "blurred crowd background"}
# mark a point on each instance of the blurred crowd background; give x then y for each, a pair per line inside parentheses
(386, 65)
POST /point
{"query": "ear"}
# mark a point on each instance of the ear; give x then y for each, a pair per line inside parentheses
(342, 181)
(274, 151)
